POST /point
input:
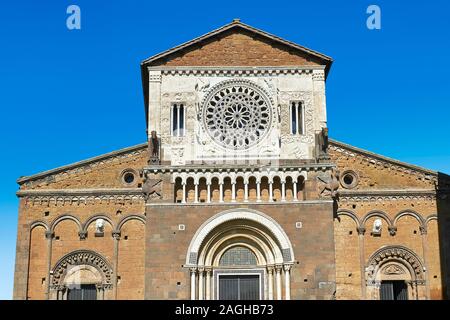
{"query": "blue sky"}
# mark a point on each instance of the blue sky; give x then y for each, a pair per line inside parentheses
(69, 95)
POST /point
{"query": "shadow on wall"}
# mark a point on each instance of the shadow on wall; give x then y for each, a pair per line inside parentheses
(443, 213)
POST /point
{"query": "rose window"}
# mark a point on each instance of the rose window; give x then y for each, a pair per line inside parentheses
(237, 115)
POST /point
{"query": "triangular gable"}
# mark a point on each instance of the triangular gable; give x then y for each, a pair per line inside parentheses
(238, 44)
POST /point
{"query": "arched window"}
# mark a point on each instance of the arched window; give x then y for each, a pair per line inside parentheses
(238, 256)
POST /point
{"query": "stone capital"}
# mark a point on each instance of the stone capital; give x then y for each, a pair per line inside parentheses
(82, 235)
(392, 230)
(116, 235)
(423, 230)
(318, 75)
(361, 230)
(193, 270)
(49, 234)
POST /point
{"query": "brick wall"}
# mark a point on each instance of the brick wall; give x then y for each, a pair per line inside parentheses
(312, 278)
(239, 48)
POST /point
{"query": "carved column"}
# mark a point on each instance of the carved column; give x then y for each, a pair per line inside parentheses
(278, 280)
(287, 281)
(184, 192)
(221, 192)
(319, 98)
(154, 102)
(196, 192)
(245, 191)
(233, 191)
(178, 121)
(116, 237)
(270, 281)
(283, 190)
(208, 186)
(208, 284)
(362, 268)
(270, 191)
(296, 117)
(201, 284)
(49, 235)
(258, 191)
(423, 233)
(294, 187)
(193, 280)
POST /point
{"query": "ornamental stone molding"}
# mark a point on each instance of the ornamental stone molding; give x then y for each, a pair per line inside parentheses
(154, 77)
(383, 163)
(236, 114)
(361, 230)
(382, 196)
(239, 214)
(82, 257)
(305, 97)
(77, 199)
(84, 167)
(318, 75)
(392, 230)
(392, 269)
(236, 71)
(399, 254)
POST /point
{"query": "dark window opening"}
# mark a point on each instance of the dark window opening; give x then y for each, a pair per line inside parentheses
(393, 290)
(239, 287)
(128, 177)
(82, 292)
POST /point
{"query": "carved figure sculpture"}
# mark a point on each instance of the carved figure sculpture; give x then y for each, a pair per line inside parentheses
(329, 185)
(377, 226)
(154, 148)
(322, 144)
(99, 225)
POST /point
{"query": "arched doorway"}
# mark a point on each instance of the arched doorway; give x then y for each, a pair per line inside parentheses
(81, 275)
(240, 254)
(395, 273)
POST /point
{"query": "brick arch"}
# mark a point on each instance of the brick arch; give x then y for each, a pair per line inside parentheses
(95, 217)
(39, 223)
(397, 253)
(239, 214)
(65, 217)
(411, 213)
(82, 257)
(351, 215)
(131, 217)
(379, 214)
(429, 218)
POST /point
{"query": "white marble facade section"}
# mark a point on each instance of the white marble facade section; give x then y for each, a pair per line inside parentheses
(197, 145)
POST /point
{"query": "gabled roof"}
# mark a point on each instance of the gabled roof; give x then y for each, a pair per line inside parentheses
(379, 157)
(237, 24)
(82, 163)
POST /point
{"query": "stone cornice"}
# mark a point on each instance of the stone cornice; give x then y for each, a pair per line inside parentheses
(386, 195)
(80, 192)
(84, 165)
(238, 71)
(240, 203)
(231, 168)
(385, 162)
(81, 196)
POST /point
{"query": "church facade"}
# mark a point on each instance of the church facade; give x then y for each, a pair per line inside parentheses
(238, 194)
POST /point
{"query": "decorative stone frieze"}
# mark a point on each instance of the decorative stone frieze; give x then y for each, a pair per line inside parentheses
(82, 257)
